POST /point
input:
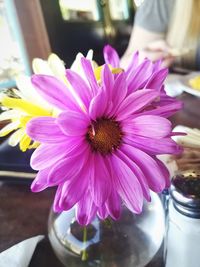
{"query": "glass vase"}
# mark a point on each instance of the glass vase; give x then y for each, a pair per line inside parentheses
(133, 240)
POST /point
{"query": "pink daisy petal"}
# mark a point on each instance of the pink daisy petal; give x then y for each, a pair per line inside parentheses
(113, 205)
(89, 73)
(149, 167)
(153, 146)
(54, 91)
(73, 123)
(138, 173)
(67, 168)
(165, 172)
(135, 102)
(56, 205)
(134, 63)
(166, 110)
(148, 126)
(98, 105)
(40, 182)
(127, 184)
(157, 79)
(46, 155)
(157, 65)
(74, 189)
(100, 184)
(45, 130)
(80, 87)
(118, 93)
(86, 209)
(138, 78)
(119, 89)
(107, 80)
(102, 212)
(111, 56)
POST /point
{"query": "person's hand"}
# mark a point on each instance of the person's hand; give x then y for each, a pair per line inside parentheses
(154, 51)
(158, 50)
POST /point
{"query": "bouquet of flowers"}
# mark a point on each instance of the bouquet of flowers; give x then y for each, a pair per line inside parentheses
(97, 131)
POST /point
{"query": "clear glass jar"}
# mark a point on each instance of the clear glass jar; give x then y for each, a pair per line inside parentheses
(131, 241)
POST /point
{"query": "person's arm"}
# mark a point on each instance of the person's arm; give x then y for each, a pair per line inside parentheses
(151, 45)
(140, 38)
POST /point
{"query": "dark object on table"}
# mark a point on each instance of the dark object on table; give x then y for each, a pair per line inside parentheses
(15, 163)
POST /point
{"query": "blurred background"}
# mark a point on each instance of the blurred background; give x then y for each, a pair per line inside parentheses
(35, 28)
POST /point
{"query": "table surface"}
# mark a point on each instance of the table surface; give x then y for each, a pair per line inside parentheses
(24, 214)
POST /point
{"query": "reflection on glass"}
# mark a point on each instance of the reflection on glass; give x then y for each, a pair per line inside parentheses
(118, 9)
(79, 10)
(132, 241)
(10, 61)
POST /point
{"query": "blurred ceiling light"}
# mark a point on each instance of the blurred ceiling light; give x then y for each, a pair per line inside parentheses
(86, 5)
(138, 2)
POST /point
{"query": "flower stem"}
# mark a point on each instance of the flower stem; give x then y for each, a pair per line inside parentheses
(84, 256)
(108, 222)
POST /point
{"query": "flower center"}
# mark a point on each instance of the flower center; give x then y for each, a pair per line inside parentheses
(104, 135)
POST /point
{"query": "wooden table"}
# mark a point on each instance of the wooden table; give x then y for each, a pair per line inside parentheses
(24, 214)
(190, 115)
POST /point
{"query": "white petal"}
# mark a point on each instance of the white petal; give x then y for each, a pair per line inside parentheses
(9, 128)
(54, 66)
(9, 114)
(90, 54)
(29, 92)
(16, 137)
(76, 65)
(57, 67)
(2, 95)
(26, 88)
(18, 93)
(41, 66)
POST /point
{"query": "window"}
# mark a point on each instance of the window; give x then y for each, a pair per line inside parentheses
(118, 9)
(76, 10)
(13, 60)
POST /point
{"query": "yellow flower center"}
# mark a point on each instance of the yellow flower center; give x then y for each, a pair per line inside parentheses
(104, 135)
(98, 70)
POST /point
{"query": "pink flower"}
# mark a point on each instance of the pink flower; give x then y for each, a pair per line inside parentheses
(102, 152)
(145, 74)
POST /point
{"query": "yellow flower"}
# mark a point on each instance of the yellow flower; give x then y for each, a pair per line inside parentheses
(20, 111)
(28, 103)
